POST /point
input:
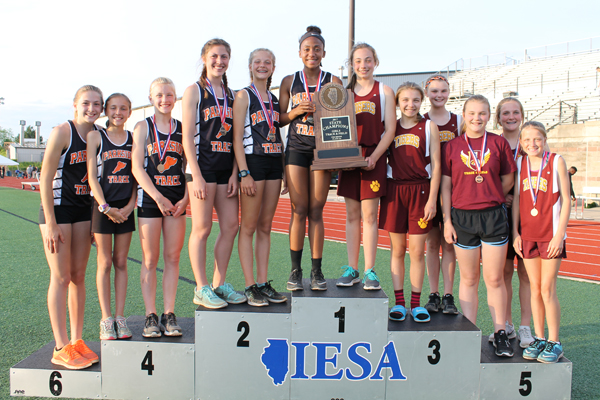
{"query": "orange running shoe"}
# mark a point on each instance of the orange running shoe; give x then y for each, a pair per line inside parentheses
(85, 351)
(68, 357)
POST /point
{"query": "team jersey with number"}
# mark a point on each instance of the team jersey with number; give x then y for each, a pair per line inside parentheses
(70, 185)
(256, 127)
(450, 129)
(544, 225)
(214, 149)
(114, 167)
(459, 164)
(301, 134)
(370, 110)
(409, 159)
(171, 182)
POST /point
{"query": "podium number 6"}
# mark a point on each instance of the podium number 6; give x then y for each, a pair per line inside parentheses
(55, 384)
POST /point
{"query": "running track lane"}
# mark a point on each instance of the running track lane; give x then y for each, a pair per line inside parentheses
(583, 244)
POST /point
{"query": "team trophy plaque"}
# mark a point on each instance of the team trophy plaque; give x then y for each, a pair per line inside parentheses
(335, 130)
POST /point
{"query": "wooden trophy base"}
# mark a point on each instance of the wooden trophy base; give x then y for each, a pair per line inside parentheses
(338, 158)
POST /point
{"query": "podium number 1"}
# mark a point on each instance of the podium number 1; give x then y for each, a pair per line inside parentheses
(341, 316)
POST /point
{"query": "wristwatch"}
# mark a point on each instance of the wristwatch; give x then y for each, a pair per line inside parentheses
(244, 173)
(104, 208)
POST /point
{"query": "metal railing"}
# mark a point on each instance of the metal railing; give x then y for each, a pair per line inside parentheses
(566, 113)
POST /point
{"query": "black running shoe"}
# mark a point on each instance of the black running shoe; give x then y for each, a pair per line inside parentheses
(151, 328)
(502, 345)
(271, 294)
(448, 306)
(295, 280)
(317, 280)
(434, 303)
(255, 297)
(168, 325)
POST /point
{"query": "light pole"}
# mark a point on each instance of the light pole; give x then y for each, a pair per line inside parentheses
(22, 139)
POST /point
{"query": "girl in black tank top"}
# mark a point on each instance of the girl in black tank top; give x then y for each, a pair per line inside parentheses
(158, 165)
(66, 227)
(207, 138)
(114, 191)
(308, 189)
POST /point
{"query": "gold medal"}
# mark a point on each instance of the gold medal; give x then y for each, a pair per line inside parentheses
(479, 179)
(271, 136)
(534, 212)
(222, 131)
(160, 168)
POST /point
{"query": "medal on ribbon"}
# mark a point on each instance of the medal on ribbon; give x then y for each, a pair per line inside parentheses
(534, 211)
(162, 152)
(269, 114)
(222, 110)
(309, 117)
(478, 162)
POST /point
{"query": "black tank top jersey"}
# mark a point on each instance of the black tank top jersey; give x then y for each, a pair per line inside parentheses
(256, 128)
(70, 185)
(171, 182)
(114, 168)
(214, 151)
(301, 135)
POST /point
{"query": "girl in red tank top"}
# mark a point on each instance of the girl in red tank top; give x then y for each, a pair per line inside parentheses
(541, 200)
(362, 188)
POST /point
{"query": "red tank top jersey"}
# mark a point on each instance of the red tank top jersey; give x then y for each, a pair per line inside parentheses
(459, 165)
(516, 155)
(449, 130)
(543, 226)
(409, 159)
(370, 111)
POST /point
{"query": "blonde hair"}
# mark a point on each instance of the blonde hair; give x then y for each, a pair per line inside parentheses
(358, 46)
(252, 58)
(203, 76)
(87, 88)
(503, 102)
(410, 86)
(161, 81)
(535, 125)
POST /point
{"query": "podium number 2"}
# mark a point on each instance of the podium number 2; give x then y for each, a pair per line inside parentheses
(526, 383)
(147, 363)
(243, 326)
(55, 384)
(341, 316)
(435, 357)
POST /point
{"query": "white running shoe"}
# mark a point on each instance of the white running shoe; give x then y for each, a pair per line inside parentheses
(525, 337)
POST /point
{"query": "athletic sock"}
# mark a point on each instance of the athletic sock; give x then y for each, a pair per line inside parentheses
(415, 299)
(261, 284)
(316, 263)
(399, 294)
(296, 256)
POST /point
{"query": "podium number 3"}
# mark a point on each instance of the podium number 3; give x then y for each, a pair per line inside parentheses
(147, 363)
(55, 385)
(243, 326)
(435, 357)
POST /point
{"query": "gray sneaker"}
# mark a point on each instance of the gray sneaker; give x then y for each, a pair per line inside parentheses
(510, 332)
(151, 328)
(371, 281)
(227, 293)
(525, 337)
(107, 329)
(168, 325)
(123, 332)
(206, 297)
(349, 277)
(255, 297)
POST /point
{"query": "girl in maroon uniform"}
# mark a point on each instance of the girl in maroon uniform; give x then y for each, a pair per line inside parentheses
(509, 115)
(437, 90)
(541, 210)
(211, 173)
(410, 203)
(158, 165)
(362, 188)
(308, 188)
(65, 226)
(478, 171)
(114, 194)
(259, 154)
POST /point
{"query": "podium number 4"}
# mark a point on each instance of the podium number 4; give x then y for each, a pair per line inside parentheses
(147, 363)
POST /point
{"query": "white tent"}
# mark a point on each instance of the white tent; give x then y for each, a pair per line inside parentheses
(7, 161)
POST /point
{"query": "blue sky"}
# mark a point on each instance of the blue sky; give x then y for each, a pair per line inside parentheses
(49, 49)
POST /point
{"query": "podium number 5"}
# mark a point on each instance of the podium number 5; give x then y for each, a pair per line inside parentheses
(55, 385)
(526, 383)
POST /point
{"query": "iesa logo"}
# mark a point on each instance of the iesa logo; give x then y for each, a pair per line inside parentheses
(275, 358)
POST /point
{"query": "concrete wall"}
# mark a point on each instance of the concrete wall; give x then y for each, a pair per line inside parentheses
(580, 146)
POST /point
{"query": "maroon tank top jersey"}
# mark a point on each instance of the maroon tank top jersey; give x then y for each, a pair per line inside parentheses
(409, 159)
(370, 111)
(543, 226)
(450, 129)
